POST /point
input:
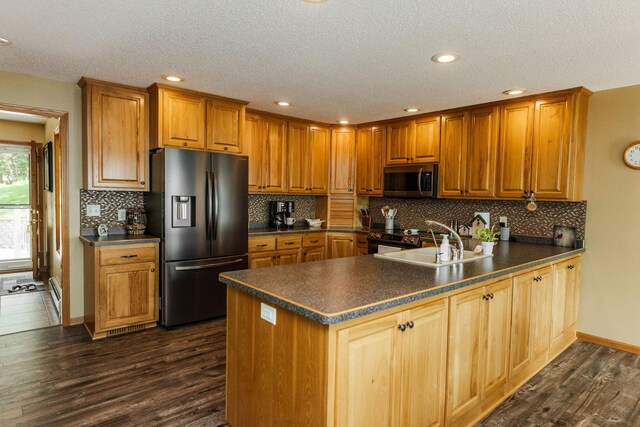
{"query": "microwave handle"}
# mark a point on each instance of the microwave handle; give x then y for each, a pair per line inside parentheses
(420, 182)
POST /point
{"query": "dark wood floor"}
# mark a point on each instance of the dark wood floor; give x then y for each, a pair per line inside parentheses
(58, 377)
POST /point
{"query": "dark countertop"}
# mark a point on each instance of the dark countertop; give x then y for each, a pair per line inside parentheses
(336, 290)
(266, 231)
(118, 239)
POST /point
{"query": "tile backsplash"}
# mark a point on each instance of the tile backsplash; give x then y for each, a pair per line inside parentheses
(413, 212)
(110, 202)
(305, 206)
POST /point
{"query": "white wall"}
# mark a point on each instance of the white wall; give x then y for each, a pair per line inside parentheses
(610, 294)
(30, 91)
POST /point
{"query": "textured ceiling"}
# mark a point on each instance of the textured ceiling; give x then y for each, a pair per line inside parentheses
(361, 60)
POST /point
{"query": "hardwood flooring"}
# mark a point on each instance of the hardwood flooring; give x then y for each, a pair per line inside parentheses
(58, 377)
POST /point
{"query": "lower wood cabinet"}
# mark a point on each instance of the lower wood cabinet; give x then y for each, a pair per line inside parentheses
(564, 305)
(120, 288)
(341, 245)
(267, 251)
(314, 247)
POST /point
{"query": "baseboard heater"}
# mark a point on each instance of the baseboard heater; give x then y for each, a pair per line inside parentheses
(56, 294)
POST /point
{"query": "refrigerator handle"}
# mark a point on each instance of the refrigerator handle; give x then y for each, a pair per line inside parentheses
(215, 206)
(209, 203)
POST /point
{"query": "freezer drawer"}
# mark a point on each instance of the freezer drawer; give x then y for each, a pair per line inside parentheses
(191, 290)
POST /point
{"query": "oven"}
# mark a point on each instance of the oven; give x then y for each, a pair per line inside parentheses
(414, 181)
(381, 242)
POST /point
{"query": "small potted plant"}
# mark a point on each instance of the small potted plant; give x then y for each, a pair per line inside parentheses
(488, 237)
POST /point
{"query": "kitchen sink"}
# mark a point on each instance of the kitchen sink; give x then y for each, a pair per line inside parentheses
(427, 256)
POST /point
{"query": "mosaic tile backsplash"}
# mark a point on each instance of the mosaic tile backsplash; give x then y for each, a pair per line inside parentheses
(412, 213)
(305, 206)
(110, 202)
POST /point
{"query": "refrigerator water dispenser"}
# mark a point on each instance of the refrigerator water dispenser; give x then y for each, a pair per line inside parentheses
(183, 208)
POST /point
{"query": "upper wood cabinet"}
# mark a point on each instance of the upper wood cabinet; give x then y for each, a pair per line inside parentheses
(265, 146)
(370, 155)
(454, 153)
(187, 119)
(308, 158)
(399, 137)
(115, 136)
(415, 141)
(343, 159)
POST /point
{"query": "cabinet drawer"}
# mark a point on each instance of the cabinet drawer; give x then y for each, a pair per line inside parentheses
(361, 240)
(311, 240)
(289, 242)
(258, 244)
(127, 254)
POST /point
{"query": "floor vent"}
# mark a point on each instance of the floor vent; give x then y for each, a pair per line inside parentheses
(124, 330)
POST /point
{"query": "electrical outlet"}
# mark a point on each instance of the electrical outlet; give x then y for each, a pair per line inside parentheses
(93, 210)
(122, 214)
(268, 313)
(503, 220)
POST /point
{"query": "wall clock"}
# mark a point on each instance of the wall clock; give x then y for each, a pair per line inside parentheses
(632, 155)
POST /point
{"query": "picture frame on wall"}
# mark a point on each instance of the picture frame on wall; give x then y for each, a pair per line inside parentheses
(47, 154)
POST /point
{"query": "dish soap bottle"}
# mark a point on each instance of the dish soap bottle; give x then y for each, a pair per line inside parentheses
(445, 249)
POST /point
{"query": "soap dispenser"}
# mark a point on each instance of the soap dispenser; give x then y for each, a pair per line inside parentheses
(445, 249)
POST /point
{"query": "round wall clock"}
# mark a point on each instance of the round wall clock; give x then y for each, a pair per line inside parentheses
(632, 155)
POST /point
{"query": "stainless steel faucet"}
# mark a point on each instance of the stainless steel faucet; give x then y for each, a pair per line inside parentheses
(453, 233)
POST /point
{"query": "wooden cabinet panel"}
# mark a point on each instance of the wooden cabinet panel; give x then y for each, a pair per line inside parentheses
(481, 154)
(564, 311)
(341, 245)
(514, 150)
(275, 161)
(551, 148)
(343, 145)
(254, 149)
(183, 120)
(399, 143)
(521, 324)
(342, 212)
(317, 253)
(497, 323)
(368, 390)
(298, 158)
(126, 254)
(319, 145)
(427, 140)
(225, 125)
(262, 243)
(115, 137)
(541, 294)
(370, 158)
(288, 256)
(262, 259)
(289, 242)
(453, 153)
(313, 239)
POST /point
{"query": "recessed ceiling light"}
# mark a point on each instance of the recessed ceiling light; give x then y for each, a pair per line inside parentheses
(4, 42)
(444, 57)
(514, 91)
(283, 103)
(412, 110)
(172, 78)
(343, 122)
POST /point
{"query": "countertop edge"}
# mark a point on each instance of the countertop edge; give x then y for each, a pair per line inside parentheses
(125, 240)
(329, 319)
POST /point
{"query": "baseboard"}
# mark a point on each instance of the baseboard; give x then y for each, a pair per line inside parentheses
(76, 321)
(609, 343)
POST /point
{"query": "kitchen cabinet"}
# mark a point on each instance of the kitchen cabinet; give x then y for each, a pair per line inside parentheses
(362, 244)
(478, 350)
(343, 149)
(341, 245)
(399, 143)
(267, 251)
(120, 288)
(514, 152)
(264, 140)
(393, 369)
(564, 314)
(482, 153)
(370, 156)
(308, 158)
(453, 152)
(415, 141)
(115, 136)
(225, 126)
(314, 247)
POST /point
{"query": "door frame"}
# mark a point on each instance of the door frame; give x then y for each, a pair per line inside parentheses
(63, 116)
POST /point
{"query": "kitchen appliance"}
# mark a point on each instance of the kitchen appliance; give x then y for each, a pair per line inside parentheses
(198, 205)
(413, 182)
(397, 240)
(279, 212)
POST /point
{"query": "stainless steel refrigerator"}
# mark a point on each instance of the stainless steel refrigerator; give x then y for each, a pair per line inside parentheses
(198, 205)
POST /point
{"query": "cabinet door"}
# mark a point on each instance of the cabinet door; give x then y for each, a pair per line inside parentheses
(367, 380)
(564, 303)
(376, 163)
(341, 246)
(427, 140)
(482, 152)
(314, 254)
(514, 149)
(183, 120)
(466, 338)
(254, 149)
(363, 161)
(319, 146)
(297, 158)
(262, 259)
(497, 323)
(551, 148)
(541, 292)
(343, 145)
(399, 143)
(521, 324)
(118, 139)
(288, 256)
(453, 155)
(275, 160)
(127, 295)
(225, 125)
(424, 358)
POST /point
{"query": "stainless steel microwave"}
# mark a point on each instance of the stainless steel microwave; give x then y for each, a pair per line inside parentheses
(412, 182)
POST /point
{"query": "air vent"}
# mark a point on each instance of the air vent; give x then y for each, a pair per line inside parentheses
(125, 330)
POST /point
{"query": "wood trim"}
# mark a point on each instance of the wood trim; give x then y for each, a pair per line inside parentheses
(157, 86)
(87, 80)
(75, 321)
(608, 343)
(287, 118)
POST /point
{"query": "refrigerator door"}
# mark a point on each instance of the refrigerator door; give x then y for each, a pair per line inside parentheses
(229, 213)
(191, 290)
(185, 193)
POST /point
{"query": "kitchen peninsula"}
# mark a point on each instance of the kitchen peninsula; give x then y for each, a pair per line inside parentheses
(366, 341)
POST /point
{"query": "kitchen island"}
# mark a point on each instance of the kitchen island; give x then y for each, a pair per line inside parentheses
(368, 341)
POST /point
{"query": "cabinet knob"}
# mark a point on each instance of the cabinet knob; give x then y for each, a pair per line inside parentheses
(571, 267)
(491, 295)
(410, 323)
(142, 182)
(402, 327)
(485, 297)
(226, 148)
(152, 270)
(184, 143)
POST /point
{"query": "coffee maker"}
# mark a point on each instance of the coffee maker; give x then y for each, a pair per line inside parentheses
(279, 212)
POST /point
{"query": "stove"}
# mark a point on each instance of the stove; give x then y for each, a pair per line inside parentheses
(392, 239)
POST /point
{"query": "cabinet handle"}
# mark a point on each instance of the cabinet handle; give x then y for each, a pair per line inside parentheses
(262, 245)
(128, 256)
(571, 267)
(152, 270)
(485, 297)
(410, 323)
(314, 241)
(491, 295)
(402, 327)
(289, 243)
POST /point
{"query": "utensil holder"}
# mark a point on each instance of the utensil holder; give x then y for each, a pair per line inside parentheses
(366, 221)
(388, 224)
(504, 233)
